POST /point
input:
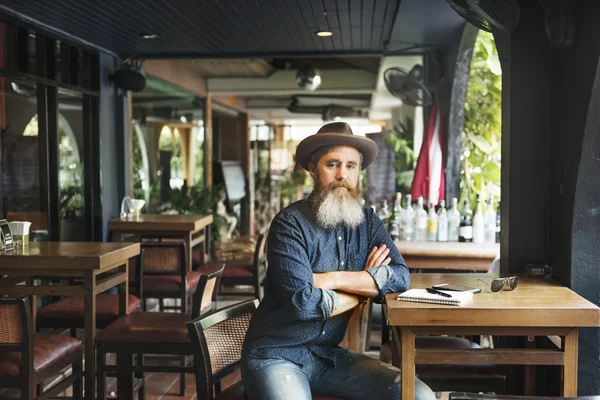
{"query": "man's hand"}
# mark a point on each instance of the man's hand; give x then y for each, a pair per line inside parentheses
(378, 256)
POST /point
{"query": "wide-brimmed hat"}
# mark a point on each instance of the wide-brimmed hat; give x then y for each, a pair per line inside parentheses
(335, 134)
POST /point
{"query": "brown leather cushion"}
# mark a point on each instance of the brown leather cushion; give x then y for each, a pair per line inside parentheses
(237, 272)
(47, 349)
(237, 392)
(230, 271)
(107, 307)
(170, 283)
(147, 327)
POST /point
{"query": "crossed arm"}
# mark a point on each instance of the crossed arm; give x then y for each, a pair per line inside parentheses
(351, 286)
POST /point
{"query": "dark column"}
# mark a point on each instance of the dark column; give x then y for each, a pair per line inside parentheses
(113, 147)
(551, 130)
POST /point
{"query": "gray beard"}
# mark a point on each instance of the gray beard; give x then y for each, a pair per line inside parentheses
(338, 207)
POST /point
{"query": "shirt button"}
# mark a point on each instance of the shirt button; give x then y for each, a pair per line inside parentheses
(339, 238)
(322, 333)
(342, 263)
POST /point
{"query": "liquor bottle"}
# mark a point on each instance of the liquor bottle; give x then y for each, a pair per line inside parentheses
(432, 224)
(396, 218)
(442, 234)
(498, 223)
(465, 230)
(408, 220)
(453, 221)
(478, 223)
(420, 221)
(490, 222)
(384, 213)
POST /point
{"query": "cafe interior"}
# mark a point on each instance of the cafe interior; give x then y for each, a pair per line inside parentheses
(146, 146)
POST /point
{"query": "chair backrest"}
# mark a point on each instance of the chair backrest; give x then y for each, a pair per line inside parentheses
(16, 335)
(217, 342)
(260, 256)
(38, 219)
(164, 258)
(205, 295)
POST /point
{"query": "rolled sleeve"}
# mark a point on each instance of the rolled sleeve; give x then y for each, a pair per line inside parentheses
(381, 275)
(331, 300)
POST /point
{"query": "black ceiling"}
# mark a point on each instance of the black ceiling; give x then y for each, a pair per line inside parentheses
(216, 28)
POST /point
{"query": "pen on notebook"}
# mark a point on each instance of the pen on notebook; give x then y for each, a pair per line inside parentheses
(433, 291)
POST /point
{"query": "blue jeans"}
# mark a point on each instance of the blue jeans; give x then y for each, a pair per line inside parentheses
(355, 376)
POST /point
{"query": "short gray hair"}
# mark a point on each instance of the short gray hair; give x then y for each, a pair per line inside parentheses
(321, 151)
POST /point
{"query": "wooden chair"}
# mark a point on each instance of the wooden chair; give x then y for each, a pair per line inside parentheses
(26, 359)
(165, 274)
(480, 396)
(144, 333)
(217, 342)
(69, 312)
(251, 272)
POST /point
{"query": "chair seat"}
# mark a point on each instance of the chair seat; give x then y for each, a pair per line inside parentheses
(169, 283)
(107, 307)
(147, 327)
(230, 271)
(237, 392)
(47, 349)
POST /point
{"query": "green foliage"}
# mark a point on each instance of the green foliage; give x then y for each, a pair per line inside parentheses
(194, 200)
(481, 149)
(71, 202)
(138, 169)
(401, 141)
(294, 180)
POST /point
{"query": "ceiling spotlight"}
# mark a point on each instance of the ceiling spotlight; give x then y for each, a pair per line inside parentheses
(148, 35)
(324, 33)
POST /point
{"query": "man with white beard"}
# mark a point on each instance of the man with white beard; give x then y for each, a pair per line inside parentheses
(325, 254)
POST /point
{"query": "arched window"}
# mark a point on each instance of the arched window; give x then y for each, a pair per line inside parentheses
(169, 141)
(141, 167)
(70, 173)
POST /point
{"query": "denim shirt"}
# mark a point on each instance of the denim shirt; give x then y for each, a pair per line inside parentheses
(293, 318)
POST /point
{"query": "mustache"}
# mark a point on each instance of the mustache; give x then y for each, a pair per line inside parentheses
(344, 184)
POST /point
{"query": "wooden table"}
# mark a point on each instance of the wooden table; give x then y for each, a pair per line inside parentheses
(448, 255)
(538, 307)
(65, 260)
(190, 228)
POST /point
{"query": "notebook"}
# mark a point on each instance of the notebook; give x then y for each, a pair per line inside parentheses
(422, 296)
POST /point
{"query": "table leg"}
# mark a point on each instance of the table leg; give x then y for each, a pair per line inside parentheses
(188, 243)
(89, 328)
(530, 370)
(124, 287)
(124, 379)
(570, 348)
(408, 362)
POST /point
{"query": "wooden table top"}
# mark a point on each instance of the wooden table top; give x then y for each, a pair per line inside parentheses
(534, 303)
(448, 249)
(68, 255)
(162, 222)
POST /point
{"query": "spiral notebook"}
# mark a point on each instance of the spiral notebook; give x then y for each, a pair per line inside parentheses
(422, 296)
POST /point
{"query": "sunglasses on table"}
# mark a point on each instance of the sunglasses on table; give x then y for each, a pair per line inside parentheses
(499, 283)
